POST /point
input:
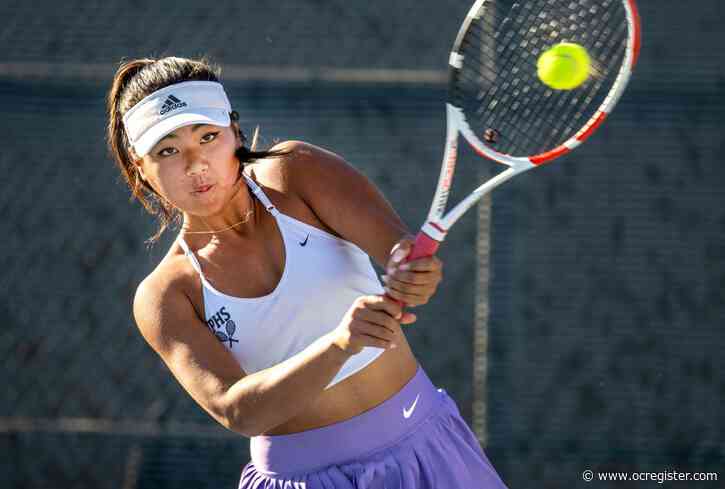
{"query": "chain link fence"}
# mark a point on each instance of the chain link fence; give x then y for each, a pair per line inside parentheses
(582, 306)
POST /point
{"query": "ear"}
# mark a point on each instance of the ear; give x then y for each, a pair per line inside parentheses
(234, 123)
(138, 163)
(237, 134)
(141, 173)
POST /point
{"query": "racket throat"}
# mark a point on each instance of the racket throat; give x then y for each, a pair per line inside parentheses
(433, 230)
(450, 155)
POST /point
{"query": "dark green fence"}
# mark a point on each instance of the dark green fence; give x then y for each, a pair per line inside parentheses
(604, 301)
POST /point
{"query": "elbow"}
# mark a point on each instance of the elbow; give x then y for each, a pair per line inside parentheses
(237, 422)
(246, 429)
(241, 430)
(243, 409)
(249, 425)
(241, 422)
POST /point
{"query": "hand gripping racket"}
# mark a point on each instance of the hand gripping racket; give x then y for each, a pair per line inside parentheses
(502, 109)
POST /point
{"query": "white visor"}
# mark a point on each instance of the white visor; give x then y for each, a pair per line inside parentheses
(181, 104)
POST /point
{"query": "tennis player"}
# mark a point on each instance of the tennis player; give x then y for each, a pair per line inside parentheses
(267, 308)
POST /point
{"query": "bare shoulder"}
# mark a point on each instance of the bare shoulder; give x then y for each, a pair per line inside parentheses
(299, 163)
(303, 166)
(164, 286)
(303, 170)
(295, 148)
(303, 153)
(166, 291)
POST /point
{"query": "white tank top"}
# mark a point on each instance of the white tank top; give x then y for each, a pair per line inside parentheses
(322, 276)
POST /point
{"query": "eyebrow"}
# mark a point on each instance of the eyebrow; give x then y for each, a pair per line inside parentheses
(193, 128)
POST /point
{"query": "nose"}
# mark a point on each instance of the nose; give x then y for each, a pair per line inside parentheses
(197, 165)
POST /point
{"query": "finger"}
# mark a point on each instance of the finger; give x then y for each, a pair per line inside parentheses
(412, 269)
(425, 264)
(408, 318)
(424, 290)
(406, 242)
(406, 298)
(376, 331)
(407, 288)
(391, 306)
(410, 278)
(383, 303)
(400, 252)
(379, 318)
(379, 343)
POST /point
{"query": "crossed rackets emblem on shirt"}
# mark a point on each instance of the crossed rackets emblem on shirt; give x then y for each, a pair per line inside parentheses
(230, 328)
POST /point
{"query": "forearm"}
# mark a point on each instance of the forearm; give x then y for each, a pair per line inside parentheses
(268, 398)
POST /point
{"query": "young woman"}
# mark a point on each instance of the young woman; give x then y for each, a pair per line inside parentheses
(267, 309)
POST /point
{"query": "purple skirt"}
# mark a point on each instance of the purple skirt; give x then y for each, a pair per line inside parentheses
(416, 439)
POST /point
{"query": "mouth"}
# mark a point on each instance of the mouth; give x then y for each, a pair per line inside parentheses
(202, 189)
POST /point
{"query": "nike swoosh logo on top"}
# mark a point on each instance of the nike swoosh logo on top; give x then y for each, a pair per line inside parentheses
(407, 413)
(305, 241)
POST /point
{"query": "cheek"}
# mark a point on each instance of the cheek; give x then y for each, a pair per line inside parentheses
(225, 164)
(165, 179)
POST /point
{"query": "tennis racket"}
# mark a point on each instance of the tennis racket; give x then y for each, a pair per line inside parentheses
(501, 108)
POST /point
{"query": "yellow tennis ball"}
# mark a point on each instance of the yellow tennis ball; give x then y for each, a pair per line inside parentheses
(564, 66)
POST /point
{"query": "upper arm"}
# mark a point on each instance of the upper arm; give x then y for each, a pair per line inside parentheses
(200, 363)
(345, 199)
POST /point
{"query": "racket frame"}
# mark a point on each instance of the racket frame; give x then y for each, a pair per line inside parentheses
(437, 225)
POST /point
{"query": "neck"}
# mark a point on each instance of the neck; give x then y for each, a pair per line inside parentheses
(239, 220)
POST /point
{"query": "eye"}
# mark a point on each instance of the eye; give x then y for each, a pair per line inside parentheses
(163, 151)
(207, 139)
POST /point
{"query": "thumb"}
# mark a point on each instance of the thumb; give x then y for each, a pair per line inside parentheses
(401, 250)
(408, 318)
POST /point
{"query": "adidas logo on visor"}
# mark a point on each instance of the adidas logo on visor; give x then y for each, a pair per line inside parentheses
(171, 103)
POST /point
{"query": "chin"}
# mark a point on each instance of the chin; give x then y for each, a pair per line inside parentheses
(208, 208)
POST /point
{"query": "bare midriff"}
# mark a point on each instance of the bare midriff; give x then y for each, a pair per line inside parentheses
(356, 394)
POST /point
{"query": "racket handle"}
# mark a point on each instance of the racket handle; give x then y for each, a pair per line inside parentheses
(424, 246)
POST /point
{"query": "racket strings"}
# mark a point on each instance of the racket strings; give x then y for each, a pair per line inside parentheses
(516, 122)
(478, 39)
(559, 132)
(507, 126)
(475, 74)
(503, 68)
(508, 129)
(497, 87)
